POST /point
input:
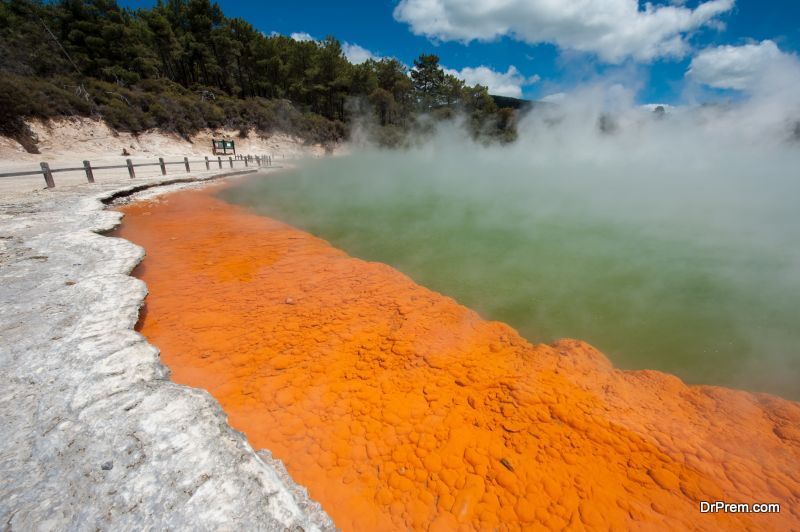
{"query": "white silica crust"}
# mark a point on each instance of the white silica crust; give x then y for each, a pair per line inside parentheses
(93, 434)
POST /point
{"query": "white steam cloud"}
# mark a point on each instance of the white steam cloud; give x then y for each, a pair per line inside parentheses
(667, 239)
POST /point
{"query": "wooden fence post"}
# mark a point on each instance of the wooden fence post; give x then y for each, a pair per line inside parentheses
(162, 165)
(219, 160)
(208, 166)
(87, 166)
(186, 162)
(230, 159)
(130, 168)
(48, 175)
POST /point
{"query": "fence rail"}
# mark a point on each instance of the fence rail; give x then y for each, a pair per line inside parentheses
(47, 172)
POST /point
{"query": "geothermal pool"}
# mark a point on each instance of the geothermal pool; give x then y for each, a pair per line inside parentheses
(692, 269)
(400, 409)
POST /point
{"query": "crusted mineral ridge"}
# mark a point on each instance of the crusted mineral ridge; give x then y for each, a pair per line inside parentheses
(94, 434)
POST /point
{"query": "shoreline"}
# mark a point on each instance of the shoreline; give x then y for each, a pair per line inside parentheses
(95, 435)
(644, 445)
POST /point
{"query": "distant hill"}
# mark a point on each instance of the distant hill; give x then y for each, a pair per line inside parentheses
(521, 105)
(507, 102)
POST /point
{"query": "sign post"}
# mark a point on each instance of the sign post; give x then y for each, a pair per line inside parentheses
(223, 147)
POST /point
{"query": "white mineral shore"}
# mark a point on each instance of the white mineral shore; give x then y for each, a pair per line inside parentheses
(94, 435)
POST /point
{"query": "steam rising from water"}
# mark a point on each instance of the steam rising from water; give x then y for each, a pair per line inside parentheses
(669, 243)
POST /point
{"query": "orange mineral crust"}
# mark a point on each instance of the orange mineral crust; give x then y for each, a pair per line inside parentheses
(400, 409)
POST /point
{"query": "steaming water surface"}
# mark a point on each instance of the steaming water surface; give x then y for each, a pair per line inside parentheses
(686, 267)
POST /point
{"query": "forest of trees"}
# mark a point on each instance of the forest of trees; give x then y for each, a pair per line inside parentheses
(183, 66)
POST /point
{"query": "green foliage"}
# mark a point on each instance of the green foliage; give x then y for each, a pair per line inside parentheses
(183, 65)
(428, 78)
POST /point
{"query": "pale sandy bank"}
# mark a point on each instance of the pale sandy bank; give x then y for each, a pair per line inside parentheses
(67, 142)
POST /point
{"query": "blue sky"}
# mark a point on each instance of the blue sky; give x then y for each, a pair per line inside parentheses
(553, 51)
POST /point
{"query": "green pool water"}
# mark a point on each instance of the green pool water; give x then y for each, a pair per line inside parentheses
(659, 267)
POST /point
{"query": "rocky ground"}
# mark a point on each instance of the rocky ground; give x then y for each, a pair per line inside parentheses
(94, 435)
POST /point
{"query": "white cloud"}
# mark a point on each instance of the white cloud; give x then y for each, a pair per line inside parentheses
(507, 83)
(613, 29)
(302, 36)
(357, 54)
(739, 67)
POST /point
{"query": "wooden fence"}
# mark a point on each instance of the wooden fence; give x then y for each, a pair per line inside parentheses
(47, 172)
